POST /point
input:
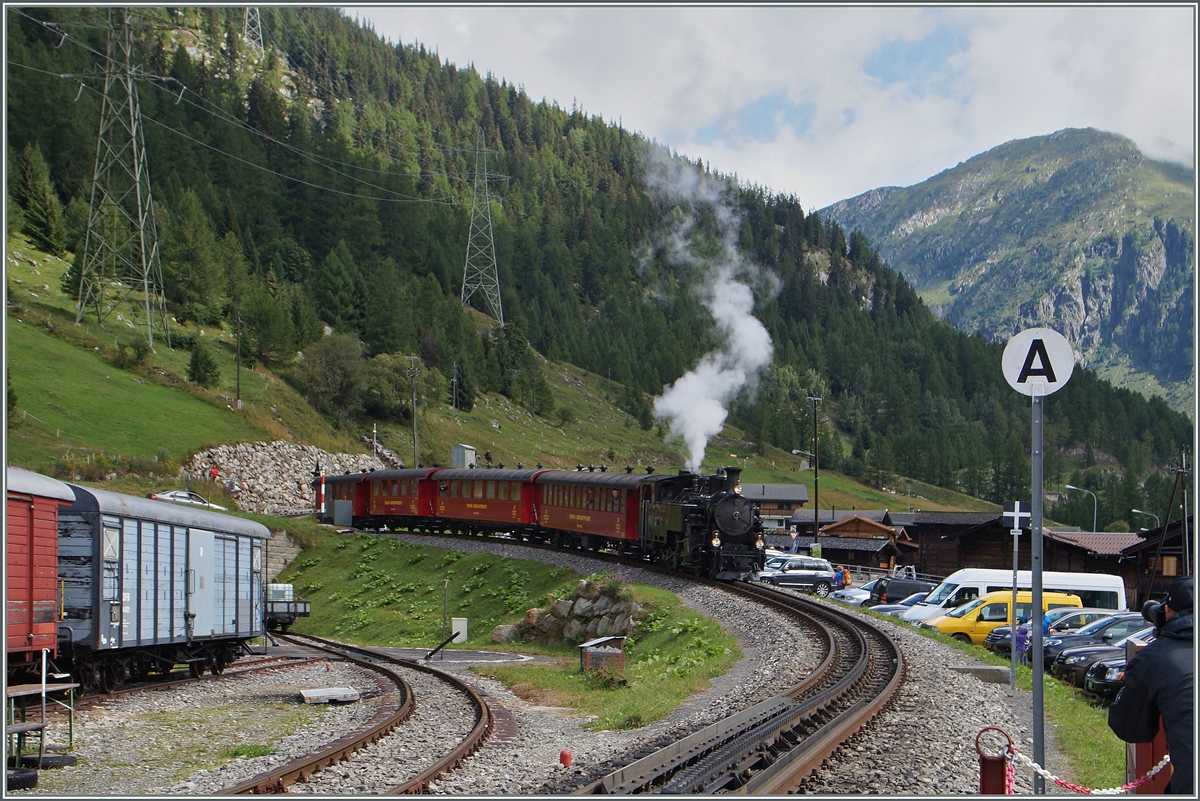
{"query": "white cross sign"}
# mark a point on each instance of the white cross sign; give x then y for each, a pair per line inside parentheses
(1038, 359)
(1013, 514)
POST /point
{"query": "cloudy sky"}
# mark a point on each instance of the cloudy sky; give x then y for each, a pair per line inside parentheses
(828, 102)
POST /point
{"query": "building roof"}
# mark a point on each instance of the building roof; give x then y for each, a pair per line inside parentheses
(948, 518)
(775, 492)
(1104, 543)
(805, 516)
(783, 542)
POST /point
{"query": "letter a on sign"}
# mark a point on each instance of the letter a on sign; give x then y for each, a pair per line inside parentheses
(1038, 360)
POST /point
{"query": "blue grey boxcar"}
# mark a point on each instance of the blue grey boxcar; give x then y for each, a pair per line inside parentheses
(147, 585)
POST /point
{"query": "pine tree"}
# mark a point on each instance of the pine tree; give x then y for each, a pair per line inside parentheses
(202, 367)
(44, 223)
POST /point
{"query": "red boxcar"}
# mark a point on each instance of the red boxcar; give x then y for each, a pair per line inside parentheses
(498, 499)
(31, 600)
(601, 504)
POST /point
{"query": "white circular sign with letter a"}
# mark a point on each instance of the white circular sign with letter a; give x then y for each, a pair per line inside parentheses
(1038, 360)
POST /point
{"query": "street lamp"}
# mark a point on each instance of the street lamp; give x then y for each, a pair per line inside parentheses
(1095, 504)
(1151, 514)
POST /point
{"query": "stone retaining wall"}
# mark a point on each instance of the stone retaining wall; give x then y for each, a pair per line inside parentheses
(274, 477)
(585, 615)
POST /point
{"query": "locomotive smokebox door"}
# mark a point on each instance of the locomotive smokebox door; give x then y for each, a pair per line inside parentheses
(734, 515)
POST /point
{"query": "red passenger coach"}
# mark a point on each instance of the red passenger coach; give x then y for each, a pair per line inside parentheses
(377, 498)
(31, 599)
(500, 500)
(598, 504)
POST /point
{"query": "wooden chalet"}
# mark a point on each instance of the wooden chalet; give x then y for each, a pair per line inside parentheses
(776, 502)
(865, 539)
(990, 545)
(1157, 557)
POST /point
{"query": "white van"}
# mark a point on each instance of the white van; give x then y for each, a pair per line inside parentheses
(1094, 589)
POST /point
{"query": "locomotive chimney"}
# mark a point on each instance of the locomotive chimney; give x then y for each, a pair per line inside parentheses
(733, 476)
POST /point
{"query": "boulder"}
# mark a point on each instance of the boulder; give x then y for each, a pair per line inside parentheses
(532, 616)
(582, 588)
(602, 605)
(621, 625)
(546, 623)
(505, 634)
(606, 626)
(562, 608)
(583, 608)
(618, 608)
(592, 627)
(572, 628)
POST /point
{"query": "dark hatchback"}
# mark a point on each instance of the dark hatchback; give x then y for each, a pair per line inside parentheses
(1105, 631)
(1072, 664)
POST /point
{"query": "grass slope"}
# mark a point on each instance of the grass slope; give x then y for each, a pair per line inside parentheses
(77, 400)
(383, 591)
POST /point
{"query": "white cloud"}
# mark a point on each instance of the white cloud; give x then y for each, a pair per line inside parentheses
(680, 74)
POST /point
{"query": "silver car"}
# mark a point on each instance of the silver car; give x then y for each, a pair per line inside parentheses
(803, 573)
(184, 497)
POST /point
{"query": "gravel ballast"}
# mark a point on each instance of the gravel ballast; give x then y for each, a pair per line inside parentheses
(923, 743)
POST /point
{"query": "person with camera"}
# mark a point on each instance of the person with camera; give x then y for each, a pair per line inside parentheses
(1159, 684)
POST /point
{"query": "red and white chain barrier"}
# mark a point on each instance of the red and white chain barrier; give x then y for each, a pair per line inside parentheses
(1014, 756)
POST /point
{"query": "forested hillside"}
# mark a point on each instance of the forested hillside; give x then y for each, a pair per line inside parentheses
(328, 181)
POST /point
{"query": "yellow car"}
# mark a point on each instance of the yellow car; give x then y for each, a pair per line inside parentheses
(972, 622)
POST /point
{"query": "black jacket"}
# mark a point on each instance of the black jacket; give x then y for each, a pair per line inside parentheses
(1158, 683)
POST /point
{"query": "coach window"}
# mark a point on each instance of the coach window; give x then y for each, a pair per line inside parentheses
(477, 490)
(454, 487)
(491, 490)
(375, 488)
(503, 491)
(516, 491)
(396, 488)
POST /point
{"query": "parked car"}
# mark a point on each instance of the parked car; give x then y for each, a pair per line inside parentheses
(855, 596)
(184, 497)
(1105, 678)
(804, 573)
(894, 588)
(896, 609)
(1100, 632)
(1073, 663)
(974, 621)
(1064, 620)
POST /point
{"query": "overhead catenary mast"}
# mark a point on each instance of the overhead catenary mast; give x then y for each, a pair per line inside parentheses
(121, 244)
(480, 273)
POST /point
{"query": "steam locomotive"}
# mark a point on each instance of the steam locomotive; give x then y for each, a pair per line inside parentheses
(688, 521)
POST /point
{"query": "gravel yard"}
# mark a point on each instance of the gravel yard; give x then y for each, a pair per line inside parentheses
(178, 742)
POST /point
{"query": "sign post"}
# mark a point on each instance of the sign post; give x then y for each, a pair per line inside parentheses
(1012, 517)
(1037, 362)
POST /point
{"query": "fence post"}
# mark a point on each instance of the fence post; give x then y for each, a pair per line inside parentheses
(993, 778)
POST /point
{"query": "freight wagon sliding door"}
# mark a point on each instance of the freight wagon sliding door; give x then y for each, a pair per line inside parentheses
(200, 585)
(225, 579)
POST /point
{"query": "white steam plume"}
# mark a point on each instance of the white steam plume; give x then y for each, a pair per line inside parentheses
(698, 403)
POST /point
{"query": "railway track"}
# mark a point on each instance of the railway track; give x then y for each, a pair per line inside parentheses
(303, 770)
(774, 745)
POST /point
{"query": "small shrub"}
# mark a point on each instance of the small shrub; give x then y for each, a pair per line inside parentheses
(202, 367)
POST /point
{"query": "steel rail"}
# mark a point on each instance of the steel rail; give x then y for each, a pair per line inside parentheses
(475, 739)
(277, 779)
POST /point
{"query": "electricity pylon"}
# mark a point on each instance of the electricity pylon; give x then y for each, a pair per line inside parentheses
(252, 29)
(480, 273)
(120, 250)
